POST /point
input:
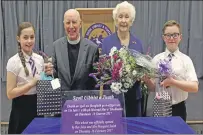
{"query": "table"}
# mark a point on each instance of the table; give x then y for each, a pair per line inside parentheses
(136, 125)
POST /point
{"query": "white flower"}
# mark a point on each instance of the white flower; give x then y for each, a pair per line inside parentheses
(122, 53)
(113, 49)
(126, 85)
(128, 79)
(134, 72)
(128, 68)
(115, 87)
(119, 85)
(124, 90)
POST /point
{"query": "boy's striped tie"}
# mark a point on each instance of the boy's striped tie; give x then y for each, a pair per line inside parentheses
(33, 67)
(170, 56)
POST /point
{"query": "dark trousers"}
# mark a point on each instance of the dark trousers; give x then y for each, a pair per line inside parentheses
(132, 104)
(179, 110)
(144, 101)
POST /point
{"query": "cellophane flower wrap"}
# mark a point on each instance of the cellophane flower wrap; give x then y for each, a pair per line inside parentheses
(162, 104)
(164, 70)
(122, 68)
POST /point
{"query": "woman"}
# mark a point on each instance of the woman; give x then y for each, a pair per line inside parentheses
(124, 15)
(23, 71)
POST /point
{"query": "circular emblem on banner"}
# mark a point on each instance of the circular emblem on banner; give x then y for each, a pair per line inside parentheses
(97, 32)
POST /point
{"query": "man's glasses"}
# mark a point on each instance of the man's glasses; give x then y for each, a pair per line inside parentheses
(174, 35)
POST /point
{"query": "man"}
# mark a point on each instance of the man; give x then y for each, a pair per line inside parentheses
(73, 56)
(182, 66)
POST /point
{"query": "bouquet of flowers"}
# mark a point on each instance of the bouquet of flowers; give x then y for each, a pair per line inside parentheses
(122, 68)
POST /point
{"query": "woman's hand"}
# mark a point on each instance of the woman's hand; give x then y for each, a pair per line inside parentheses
(145, 79)
(149, 82)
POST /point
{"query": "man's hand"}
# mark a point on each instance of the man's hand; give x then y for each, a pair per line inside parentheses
(48, 68)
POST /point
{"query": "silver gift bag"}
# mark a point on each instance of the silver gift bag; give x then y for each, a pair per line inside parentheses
(162, 104)
(48, 99)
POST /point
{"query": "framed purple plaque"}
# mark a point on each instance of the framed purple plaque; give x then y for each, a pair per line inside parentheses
(84, 112)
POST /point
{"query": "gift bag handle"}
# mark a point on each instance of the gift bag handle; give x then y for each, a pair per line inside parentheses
(49, 60)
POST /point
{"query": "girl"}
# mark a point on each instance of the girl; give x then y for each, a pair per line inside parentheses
(23, 71)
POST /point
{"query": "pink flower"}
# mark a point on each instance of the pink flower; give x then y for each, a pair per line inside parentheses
(116, 69)
(115, 57)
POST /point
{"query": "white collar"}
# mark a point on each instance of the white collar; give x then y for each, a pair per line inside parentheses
(74, 42)
(27, 57)
(167, 52)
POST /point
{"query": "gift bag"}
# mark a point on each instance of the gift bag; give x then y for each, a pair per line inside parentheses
(48, 99)
(162, 104)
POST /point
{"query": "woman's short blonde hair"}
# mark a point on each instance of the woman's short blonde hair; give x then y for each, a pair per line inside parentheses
(125, 4)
